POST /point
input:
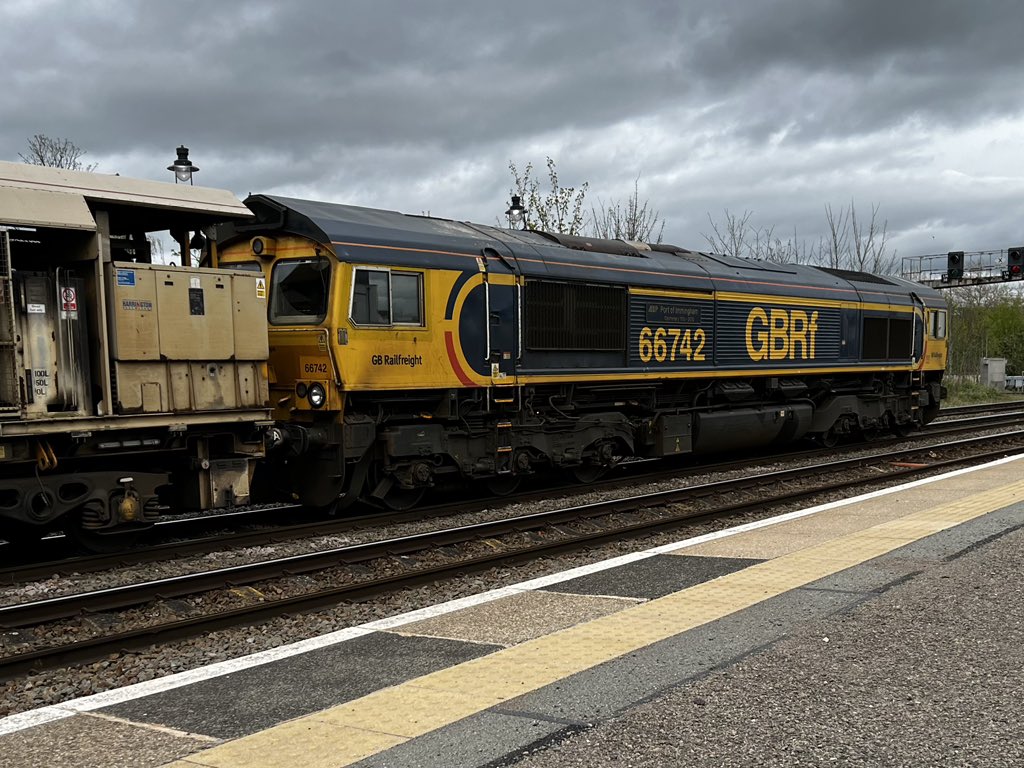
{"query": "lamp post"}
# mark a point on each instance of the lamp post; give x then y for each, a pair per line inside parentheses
(182, 166)
(516, 213)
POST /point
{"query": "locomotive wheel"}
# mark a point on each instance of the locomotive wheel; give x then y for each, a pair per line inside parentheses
(388, 493)
(502, 485)
(829, 438)
(399, 499)
(900, 430)
(584, 474)
(338, 506)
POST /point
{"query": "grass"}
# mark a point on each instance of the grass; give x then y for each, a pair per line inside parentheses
(970, 392)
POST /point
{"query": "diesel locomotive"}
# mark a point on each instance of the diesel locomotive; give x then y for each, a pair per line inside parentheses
(405, 351)
(127, 388)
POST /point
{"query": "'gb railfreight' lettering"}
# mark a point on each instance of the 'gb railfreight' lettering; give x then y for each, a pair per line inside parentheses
(411, 361)
(781, 334)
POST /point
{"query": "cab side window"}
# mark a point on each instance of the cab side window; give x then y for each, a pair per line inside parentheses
(385, 297)
(937, 329)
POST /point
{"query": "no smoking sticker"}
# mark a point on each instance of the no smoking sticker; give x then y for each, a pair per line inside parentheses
(69, 299)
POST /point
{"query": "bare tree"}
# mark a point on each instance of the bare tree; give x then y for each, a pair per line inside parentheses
(853, 245)
(632, 220)
(730, 237)
(837, 244)
(559, 209)
(55, 153)
(849, 243)
(737, 236)
(870, 252)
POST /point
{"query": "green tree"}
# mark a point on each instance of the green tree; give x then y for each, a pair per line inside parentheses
(558, 209)
(1004, 323)
(973, 333)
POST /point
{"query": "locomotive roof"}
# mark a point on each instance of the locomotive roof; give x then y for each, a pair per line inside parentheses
(371, 235)
(33, 195)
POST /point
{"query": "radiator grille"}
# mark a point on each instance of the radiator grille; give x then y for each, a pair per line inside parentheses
(575, 317)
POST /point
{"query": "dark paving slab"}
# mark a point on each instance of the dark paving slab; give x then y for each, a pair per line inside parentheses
(83, 741)
(254, 699)
(654, 576)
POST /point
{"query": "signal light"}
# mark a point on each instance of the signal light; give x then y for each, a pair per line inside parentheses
(1015, 262)
(955, 265)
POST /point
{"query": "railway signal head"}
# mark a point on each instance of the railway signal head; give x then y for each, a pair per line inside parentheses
(1015, 262)
(955, 265)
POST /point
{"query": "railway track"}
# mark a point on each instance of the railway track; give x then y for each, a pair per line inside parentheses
(965, 410)
(509, 540)
(52, 557)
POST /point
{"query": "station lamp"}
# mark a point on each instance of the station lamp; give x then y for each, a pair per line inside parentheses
(516, 213)
(182, 166)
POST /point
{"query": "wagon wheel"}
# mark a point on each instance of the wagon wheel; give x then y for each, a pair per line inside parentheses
(105, 542)
(21, 538)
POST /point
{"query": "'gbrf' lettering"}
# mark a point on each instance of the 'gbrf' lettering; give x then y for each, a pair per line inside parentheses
(781, 334)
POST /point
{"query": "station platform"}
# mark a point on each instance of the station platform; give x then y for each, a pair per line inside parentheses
(887, 629)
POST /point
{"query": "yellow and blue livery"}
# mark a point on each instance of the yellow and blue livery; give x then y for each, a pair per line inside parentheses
(405, 349)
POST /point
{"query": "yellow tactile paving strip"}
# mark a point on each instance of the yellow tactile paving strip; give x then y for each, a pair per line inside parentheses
(353, 731)
(782, 538)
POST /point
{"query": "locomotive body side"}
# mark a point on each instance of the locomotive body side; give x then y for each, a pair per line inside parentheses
(125, 386)
(459, 350)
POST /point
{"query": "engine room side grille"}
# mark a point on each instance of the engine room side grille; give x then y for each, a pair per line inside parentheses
(575, 317)
(888, 338)
(10, 393)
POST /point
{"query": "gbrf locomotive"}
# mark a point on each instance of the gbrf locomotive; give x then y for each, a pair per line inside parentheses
(405, 350)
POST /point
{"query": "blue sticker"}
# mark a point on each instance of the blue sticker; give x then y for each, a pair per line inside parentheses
(126, 277)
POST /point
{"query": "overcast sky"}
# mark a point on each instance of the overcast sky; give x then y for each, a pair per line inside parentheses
(777, 107)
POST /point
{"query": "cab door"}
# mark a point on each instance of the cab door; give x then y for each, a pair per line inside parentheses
(502, 322)
(920, 318)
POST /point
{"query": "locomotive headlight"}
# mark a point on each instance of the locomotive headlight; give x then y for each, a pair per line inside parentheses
(317, 395)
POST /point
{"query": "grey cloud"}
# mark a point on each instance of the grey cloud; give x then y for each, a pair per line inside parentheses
(771, 106)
